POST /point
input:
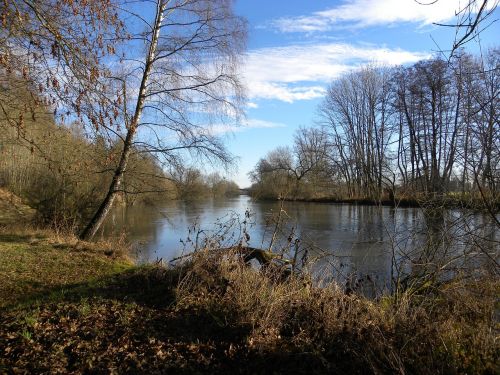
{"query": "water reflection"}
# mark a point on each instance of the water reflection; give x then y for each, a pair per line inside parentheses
(362, 240)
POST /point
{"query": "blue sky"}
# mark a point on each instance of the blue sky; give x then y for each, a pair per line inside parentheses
(297, 47)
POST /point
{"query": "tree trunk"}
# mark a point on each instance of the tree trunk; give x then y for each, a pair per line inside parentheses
(98, 218)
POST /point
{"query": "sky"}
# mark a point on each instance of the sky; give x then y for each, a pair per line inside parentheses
(296, 48)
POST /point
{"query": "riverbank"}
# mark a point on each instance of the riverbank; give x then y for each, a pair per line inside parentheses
(71, 306)
(448, 202)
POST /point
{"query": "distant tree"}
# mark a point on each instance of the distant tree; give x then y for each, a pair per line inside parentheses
(221, 187)
(487, 119)
(357, 115)
(189, 182)
(272, 177)
(422, 130)
(428, 101)
(287, 172)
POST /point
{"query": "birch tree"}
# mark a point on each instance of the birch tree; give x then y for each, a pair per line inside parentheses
(178, 76)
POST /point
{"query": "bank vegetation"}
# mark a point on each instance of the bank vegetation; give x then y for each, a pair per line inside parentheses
(414, 134)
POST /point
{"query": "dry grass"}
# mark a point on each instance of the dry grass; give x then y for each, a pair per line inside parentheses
(13, 210)
(451, 329)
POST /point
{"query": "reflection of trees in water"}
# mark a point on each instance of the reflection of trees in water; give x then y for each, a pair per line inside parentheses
(436, 244)
(381, 243)
(195, 208)
(451, 242)
(355, 238)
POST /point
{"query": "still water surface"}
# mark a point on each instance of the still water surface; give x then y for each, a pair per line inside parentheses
(361, 240)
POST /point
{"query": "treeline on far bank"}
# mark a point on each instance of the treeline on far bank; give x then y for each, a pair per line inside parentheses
(423, 133)
(64, 171)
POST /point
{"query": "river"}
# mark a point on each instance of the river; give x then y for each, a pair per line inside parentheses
(365, 241)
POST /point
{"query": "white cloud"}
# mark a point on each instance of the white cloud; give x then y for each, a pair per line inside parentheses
(283, 92)
(360, 13)
(252, 105)
(255, 123)
(219, 129)
(301, 72)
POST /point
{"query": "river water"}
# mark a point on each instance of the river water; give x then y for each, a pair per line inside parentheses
(346, 240)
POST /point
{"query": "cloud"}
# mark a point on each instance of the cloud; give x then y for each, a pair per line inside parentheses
(301, 72)
(362, 13)
(220, 129)
(252, 105)
(283, 92)
(255, 123)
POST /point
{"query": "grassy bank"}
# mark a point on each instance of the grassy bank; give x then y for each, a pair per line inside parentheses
(36, 263)
(72, 307)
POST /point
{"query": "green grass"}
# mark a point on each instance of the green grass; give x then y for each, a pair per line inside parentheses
(34, 266)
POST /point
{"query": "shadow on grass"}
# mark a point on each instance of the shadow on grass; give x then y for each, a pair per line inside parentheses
(16, 238)
(146, 286)
(114, 321)
(130, 322)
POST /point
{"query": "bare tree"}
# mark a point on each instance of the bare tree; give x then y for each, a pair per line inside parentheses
(185, 80)
(292, 173)
(472, 18)
(154, 84)
(428, 103)
(357, 112)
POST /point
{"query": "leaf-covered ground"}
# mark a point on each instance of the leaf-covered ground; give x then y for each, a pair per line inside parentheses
(106, 335)
(71, 308)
